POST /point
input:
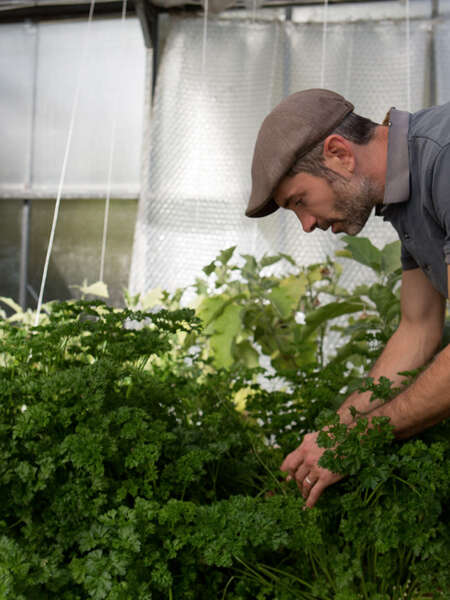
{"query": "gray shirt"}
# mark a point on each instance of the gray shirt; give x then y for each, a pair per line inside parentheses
(417, 191)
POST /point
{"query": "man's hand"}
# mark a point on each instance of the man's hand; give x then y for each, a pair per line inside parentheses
(302, 465)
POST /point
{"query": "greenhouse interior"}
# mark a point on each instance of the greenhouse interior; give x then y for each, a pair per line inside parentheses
(162, 102)
(196, 404)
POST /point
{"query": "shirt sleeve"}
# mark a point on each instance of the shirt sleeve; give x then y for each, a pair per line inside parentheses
(408, 262)
(441, 195)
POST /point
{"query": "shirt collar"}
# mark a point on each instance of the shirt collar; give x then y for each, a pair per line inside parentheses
(396, 188)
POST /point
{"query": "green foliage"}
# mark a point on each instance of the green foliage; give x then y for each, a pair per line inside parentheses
(274, 309)
(253, 309)
(134, 467)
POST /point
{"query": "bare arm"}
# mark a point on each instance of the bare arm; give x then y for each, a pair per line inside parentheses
(412, 345)
(427, 401)
(424, 403)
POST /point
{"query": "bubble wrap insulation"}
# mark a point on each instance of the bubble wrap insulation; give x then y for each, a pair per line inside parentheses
(442, 58)
(206, 114)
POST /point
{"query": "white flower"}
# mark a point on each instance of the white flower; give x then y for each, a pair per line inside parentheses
(23, 408)
(300, 318)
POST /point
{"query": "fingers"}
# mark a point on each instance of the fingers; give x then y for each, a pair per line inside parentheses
(292, 462)
(315, 492)
(302, 465)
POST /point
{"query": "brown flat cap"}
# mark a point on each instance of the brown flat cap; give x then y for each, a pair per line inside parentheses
(291, 130)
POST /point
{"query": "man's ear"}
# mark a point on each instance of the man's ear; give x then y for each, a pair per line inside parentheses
(338, 154)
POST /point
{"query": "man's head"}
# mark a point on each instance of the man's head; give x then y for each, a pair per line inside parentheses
(305, 160)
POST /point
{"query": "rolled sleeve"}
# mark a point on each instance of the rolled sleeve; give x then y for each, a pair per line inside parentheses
(408, 262)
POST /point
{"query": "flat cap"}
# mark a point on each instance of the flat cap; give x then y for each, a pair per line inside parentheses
(290, 131)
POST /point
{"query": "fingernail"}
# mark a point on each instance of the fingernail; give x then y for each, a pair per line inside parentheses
(289, 478)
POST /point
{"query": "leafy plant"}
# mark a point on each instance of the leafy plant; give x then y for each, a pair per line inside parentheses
(133, 465)
(123, 476)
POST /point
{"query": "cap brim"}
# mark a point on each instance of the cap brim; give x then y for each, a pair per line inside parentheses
(263, 210)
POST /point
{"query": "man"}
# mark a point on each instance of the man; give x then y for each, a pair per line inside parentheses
(330, 167)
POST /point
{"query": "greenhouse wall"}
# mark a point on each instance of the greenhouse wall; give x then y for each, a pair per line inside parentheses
(177, 168)
(59, 80)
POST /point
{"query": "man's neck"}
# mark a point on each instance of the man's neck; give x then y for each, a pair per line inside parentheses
(372, 157)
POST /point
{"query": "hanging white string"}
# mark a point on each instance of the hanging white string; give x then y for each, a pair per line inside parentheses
(408, 56)
(205, 38)
(65, 160)
(201, 100)
(112, 147)
(324, 43)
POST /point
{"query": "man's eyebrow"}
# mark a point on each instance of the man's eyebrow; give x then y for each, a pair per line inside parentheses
(285, 203)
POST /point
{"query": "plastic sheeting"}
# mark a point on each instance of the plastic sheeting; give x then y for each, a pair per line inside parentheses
(442, 60)
(39, 70)
(205, 123)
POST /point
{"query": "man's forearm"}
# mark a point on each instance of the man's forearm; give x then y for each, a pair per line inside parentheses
(409, 348)
(424, 403)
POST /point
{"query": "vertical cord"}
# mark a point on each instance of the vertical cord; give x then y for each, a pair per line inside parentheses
(408, 56)
(112, 147)
(324, 42)
(65, 160)
(203, 99)
(205, 38)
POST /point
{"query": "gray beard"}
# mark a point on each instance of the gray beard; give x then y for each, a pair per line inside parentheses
(355, 201)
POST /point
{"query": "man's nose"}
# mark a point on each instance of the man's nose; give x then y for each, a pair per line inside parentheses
(309, 223)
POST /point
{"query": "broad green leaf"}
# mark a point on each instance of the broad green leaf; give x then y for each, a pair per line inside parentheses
(226, 327)
(288, 258)
(390, 257)
(209, 268)
(266, 261)
(295, 285)
(383, 297)
(363, 251)
(225, 255)
(314, 273)
(329, 311)
(211, 307)
(282, 301)
(245, 353)
(288, 293)
(201, 286)
(250, 268)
